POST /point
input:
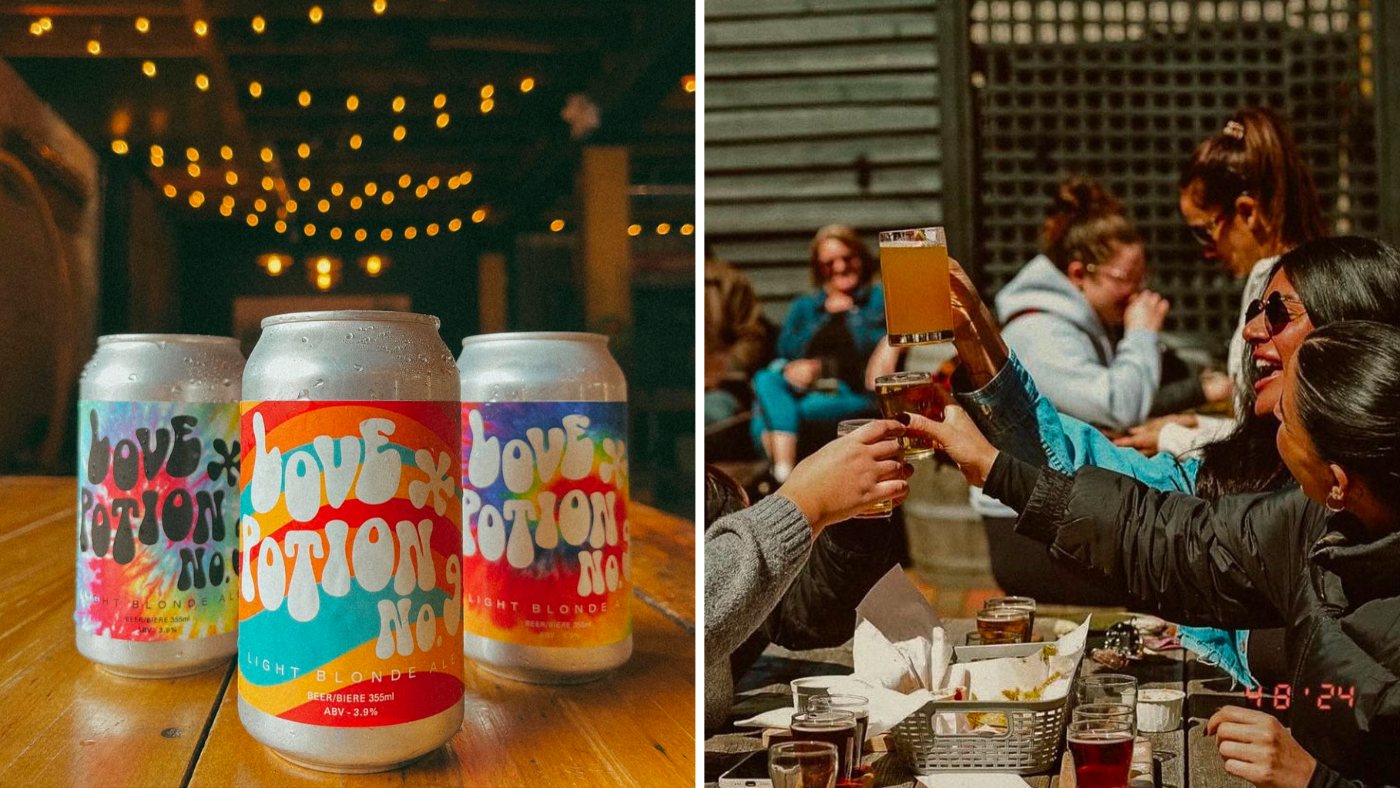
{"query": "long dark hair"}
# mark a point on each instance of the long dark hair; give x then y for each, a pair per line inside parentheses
(1255, 154)
(1085, 223)
(1346, 278)
(1348, 401)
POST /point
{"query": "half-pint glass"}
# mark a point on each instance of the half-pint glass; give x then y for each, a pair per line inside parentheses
(914, 269)
(879, 508)
(911, 392)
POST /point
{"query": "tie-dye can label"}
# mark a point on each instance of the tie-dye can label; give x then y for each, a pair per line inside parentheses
(351, 577)
(157, 519)
(544, 510)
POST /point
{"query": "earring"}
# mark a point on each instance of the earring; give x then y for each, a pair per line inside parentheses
(1335, 500)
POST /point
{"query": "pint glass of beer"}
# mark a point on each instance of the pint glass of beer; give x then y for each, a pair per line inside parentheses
(914, 269)
(911, 392)
(879, 508)
(1103, 753)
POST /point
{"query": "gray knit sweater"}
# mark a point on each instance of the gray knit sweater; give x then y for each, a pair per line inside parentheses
(751, 557)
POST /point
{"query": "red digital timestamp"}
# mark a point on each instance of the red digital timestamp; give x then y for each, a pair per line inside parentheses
(1327, 696)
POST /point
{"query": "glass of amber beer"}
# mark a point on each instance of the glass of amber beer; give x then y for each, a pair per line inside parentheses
(911, 392)
(879, 508)
(914, 269)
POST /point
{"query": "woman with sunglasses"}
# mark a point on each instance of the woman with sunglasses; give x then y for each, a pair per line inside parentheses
(1319, 283)
(1317, 559)
(823, 348)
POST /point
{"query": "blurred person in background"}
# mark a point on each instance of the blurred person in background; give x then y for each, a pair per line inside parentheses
(737, 339)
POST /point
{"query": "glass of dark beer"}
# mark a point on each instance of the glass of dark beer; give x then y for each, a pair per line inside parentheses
(855, 704)
(1014, 601)
(911, 392)
(802, 764)
(999, 625)
(1103, 753)
(837, 728)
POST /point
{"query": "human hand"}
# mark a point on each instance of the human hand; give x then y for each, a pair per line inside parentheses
(959, 437)
(1217, 386)
(802, 373)
(849, 474)
(1143, 437)
(1147, 310)
(1256, 747)
(838, 302)
(976, 334)
(882, 362)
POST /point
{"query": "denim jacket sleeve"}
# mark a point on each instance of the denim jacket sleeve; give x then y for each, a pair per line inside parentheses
(1018, 419)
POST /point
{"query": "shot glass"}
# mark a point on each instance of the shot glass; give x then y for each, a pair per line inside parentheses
(879, 508)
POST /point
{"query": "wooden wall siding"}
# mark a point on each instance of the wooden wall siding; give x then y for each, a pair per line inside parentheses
(816, 111)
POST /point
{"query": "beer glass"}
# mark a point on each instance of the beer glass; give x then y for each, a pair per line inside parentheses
(1103, 753)
(855, 704)
(911, 392)
(837, 728)
(802, 764)
(914, 269)
(999, 625)
(1115, 688)
(879, 508)
(1014, 601)
(1107, 711)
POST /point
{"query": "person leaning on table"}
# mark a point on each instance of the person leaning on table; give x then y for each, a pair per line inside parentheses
(1319, 559)
(775, 572)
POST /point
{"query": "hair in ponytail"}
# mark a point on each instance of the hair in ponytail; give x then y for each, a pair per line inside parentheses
(1085, 224)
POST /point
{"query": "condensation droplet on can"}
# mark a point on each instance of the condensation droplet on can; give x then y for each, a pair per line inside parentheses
(189, 360)
(227, 382)
(359, 368)
(132, 376)
(304, 395)
(320, 382)
(305, 339)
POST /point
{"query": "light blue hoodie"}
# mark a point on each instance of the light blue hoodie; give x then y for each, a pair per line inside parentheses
(1066, 348)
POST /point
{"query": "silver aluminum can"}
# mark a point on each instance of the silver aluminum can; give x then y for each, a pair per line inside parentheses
(546, 544)
(158, 504)
(350, 594)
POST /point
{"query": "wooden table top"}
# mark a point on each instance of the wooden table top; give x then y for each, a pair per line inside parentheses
(1186, 758)
(68, 723)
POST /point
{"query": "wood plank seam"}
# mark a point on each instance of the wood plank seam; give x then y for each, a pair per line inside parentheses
(208, 725)
(654, 604)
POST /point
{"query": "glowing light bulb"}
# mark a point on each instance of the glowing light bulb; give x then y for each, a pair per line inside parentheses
(405, 180)
(94, 47)
(355, 142)
(36, 29)
(410, 233)
(356, 202)
(689, 83)
(454, 225)
(280, 226)
(226, 153)
(231, 178)
(352, 102)
(663, 228)
(360, 234)
(635, 229)
(439, 101)
(290, 206)
(527, 84)
(316, 14)
(453, 183)
(387, 197)
(252, 220)
(308, 229)
(255, 89)
(479, 216)
(148, 68)
(274, 266)
(379, 7)
(196, 199)
(193, 170)
(421, 191)
(170, 190)
(45, 23)
(443, 119)
(374, 265)
(370, 189)
(226, 210)
(556, 225)
(201, 81)
(335, 233)
(399, 133)
(386, 234)
(323, 266)
(259, 25)
(192, 154)
(487, 106)
(201, 28)
(337, 189)
(487, 91)
(398, 104)
(303, 150)
(465, 178)
(143, 25)
(266, 155)
(323, 205)
(304, 98)
(304, 184)
(323, 281)
(267, 183)
(432, 229)
(687, 229)
(119, 147)
(260, 205)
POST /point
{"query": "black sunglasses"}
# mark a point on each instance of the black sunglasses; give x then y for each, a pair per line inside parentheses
(1275, 309)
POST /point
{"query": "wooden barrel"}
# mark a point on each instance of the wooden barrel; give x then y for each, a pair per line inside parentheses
(946, 540)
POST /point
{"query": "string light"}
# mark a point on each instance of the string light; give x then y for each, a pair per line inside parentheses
(433, 182)
(304, 98)
(119, 147)
(304, 184)
(360, 234)
(556, 225)
(439, 101)
(171, 191)
(36, 29)
(634, 230)
(410, 233)
(527, 84)
(689, 83)
(663, 228)
(465, 178)
(405, 180)
(487, 91)
(231, 177)
(291, 206)
(323, 205)
(274, 264)
(386, 234)
(315, 15)
(687, 229)
(355, 142)
(143, 25)
(454, 225)
(94, 47)
(267, 183)
(201, 28)
(335, 233)
(45, 23)
(255, 89)
(387, 197)
(337, 189)
(196, 198)
(226, 210)
(398, 104)
(379, 7)
(201, 81)
(280, 226)
(260, 205)
(323, 281)
(352, 102)
(421, 191)
(442, 120)
(252, 220)
(399, 133)
(309, 230)
(259, 25)
(479, 216)
(266, 155)
(487, 106)
(453, 183)
(370, 189)
(303, 150)
(374, 264)
(432, 229)
(355, 203)
(148, 68)
(226, 152)
(193, 170)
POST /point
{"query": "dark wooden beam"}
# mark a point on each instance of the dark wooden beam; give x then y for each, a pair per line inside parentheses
(957, 130)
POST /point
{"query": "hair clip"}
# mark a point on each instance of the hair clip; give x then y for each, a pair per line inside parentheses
(1234, 129)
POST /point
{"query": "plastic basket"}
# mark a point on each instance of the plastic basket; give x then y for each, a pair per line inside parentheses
(1034, 729)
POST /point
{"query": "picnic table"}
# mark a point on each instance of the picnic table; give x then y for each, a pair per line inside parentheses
(67, 722)
(1184, 758)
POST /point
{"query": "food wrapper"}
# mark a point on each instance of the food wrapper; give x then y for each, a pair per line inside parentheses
(899, 641)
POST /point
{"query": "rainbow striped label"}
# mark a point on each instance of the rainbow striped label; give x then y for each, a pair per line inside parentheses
(544, 507)
(350, 582)
(157, 519)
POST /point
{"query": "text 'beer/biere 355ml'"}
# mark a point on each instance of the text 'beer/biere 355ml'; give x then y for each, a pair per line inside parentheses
(547, 558)
(351, 578)
(158, 504)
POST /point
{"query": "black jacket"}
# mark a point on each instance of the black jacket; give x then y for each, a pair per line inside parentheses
(1255, 561)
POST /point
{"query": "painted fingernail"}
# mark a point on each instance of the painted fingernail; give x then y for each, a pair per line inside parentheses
(904, 419)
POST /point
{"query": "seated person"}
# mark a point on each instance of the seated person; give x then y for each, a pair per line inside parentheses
(736, 338)
(776, 572)
(823, 348)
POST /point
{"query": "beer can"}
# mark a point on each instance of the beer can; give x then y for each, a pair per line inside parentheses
(350, 595)
(547, 562)
(158, 504)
